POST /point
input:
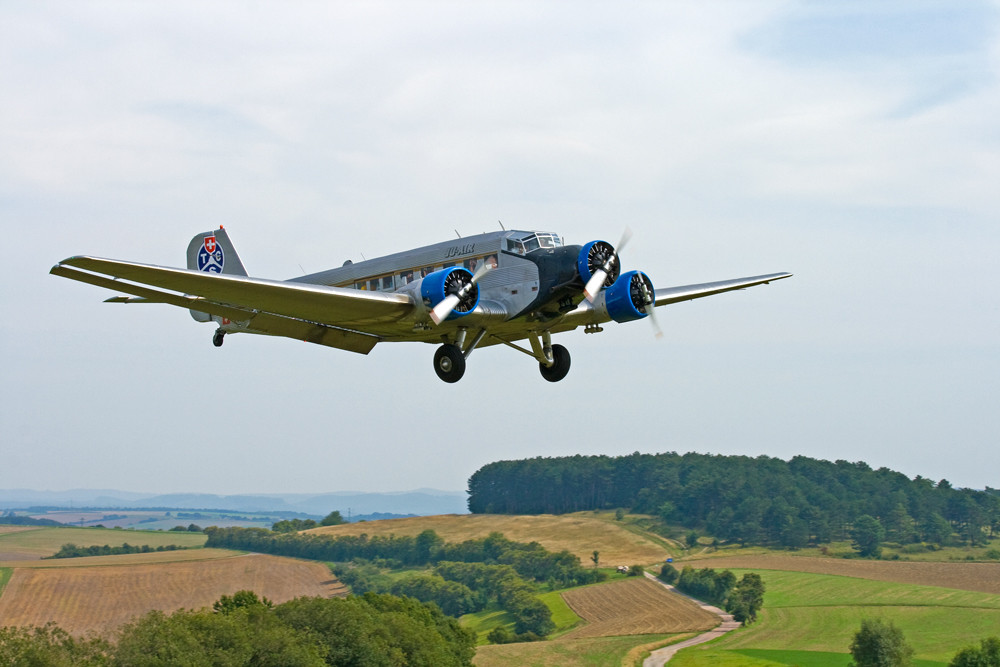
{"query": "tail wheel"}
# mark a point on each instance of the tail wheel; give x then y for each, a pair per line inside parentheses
(449, 363)
(560, 364)
(218, 338)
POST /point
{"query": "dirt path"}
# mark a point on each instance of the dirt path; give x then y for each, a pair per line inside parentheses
(660, 657)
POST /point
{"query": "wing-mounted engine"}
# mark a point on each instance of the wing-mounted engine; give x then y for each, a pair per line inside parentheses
(631, 297)
(454, 284)
(593, 257)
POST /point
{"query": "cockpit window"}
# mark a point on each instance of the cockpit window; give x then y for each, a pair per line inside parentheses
(538, 241)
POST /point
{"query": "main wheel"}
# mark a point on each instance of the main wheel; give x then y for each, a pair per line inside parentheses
(449, 363)
(560, 364)
(218, 338)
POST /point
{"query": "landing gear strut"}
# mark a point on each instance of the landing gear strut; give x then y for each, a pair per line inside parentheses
(560, 364)
(449, 363)
(217, 339)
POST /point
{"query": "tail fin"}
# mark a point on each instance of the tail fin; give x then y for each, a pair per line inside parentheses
(213, 252)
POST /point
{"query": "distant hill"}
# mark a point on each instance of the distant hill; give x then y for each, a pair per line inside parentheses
(762, 500)
(418, 502)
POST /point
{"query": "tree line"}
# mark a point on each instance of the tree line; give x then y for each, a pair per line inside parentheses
(761, 501)
(243, 629)
(70, 550)
(530, 560)
(460, 588)
(466, 578)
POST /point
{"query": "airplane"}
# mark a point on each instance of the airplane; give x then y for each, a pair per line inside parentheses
(493, 288)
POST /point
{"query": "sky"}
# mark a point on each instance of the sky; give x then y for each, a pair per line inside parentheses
(854, 144)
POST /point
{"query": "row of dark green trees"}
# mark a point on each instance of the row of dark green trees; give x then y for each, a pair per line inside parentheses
(760, 500)
(242, 629)
(70, 550)
(742, 599)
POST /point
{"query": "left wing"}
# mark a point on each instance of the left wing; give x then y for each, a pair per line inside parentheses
(669, 295)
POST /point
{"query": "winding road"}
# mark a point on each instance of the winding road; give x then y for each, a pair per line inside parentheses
(661, 656)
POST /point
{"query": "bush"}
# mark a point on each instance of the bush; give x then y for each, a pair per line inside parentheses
(668, 574)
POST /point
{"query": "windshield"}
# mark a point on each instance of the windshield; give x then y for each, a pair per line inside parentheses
(534, 242)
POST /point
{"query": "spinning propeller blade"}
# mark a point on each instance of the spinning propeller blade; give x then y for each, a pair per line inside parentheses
(596, 282)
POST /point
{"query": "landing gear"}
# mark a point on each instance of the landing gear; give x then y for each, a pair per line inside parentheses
(449, 363)
(217, 339)
(560, 364)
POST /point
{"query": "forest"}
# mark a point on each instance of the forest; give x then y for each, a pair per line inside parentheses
(760, 501)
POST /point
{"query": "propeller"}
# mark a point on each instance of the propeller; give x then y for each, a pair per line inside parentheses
(450, 302)
(649, 298)
(596, 282)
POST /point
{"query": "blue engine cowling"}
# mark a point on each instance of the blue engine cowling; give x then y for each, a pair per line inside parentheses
(592, 257)
(630, 298)
(434, 287)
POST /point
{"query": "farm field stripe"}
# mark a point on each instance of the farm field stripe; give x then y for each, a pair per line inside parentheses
(579, 533)
(99, 599)
(184, 556)
(634, 606)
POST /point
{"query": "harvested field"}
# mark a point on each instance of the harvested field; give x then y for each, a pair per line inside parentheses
(99, 599)
(982, 577)
(15, 529)
(578, 533)
(635, 606)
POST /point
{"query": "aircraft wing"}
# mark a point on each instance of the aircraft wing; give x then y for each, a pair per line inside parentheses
(326, 315)
(669, 295)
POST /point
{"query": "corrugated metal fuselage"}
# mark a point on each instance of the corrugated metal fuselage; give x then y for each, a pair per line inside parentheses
(540, 284)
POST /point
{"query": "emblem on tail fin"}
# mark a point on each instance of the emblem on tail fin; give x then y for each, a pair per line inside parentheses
(210, 257)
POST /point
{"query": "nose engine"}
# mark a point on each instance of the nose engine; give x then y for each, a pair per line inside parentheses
(593, 257)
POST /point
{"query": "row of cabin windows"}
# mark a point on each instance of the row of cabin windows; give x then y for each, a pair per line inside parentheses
(394, 281)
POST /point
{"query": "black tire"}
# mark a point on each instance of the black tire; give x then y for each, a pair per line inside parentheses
(449, 363)
(560, 366)
(218, 338)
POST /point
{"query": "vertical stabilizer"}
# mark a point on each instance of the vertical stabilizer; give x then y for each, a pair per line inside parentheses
(213, 252)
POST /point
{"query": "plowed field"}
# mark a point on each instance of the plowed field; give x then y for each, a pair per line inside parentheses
(635, 606)
(99, 599)
(982, 577)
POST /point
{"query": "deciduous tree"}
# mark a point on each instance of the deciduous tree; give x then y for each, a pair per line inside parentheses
(879, 643)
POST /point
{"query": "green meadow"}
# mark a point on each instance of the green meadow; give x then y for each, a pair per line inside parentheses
(810, 620)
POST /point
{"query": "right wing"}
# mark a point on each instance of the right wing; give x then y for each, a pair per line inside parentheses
(333, 316)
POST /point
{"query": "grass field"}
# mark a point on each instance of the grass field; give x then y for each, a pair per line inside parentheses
(34, 543)
(580, 533)
(819, 614)
(99, 599)
(5, 573)
(983, 577)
